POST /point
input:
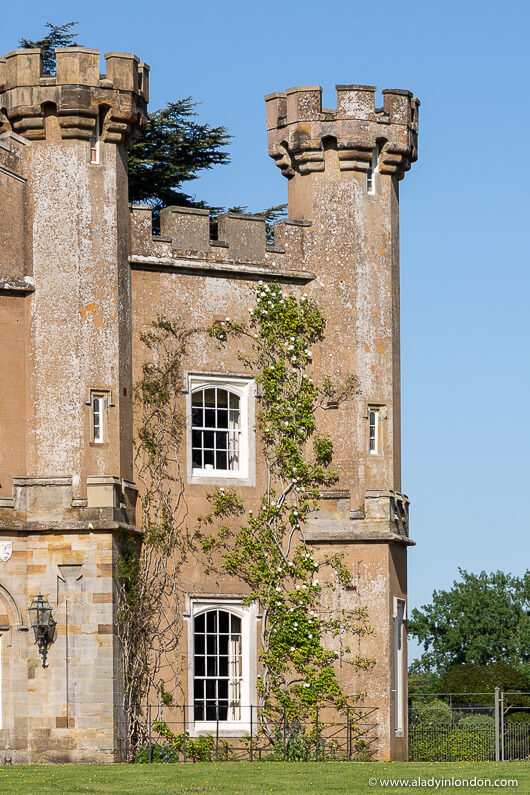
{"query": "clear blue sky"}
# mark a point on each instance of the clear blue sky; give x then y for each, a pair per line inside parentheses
(464, 215)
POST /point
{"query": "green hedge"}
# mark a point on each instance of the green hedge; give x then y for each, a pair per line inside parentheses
(434, 713)
(444, 744)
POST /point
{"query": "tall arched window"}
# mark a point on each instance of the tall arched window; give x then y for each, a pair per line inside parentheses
(217, 666)
(215, 429)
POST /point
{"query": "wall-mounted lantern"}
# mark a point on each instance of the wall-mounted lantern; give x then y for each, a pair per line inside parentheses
(44, 625)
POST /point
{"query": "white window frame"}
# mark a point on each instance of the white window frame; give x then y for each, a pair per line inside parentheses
(103, 396)
(372, 174)
(377, 447)
(248, 696)
(245, 389)
(399, 618)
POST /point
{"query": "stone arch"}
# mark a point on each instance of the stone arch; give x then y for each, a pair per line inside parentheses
(16, 618)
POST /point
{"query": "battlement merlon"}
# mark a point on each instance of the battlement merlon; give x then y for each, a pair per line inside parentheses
(77, 94)
(298, 126)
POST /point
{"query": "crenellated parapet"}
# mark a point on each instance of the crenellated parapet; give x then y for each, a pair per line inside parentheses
(77, 94)
(299, 129)
(240, 248)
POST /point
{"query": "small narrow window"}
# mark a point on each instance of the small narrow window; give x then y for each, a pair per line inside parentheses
(372, 173)
(95, 141)
(374, 431)
(98, 417)
(398, 665)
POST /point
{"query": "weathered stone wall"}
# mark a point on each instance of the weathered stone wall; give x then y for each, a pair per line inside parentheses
(12, 391)
(13, 243)
(65, 502)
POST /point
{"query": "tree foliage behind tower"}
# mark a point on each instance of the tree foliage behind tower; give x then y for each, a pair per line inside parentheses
(58, 36)
(174, 149)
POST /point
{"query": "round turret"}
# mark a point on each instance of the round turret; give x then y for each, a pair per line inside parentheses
(77, 94)
(298, 129)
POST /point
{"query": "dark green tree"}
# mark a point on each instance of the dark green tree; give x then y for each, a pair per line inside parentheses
(476, 680)
(482, 619)
(58, 36)
(174, 149)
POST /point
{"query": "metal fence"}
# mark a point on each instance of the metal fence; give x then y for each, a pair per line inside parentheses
(259, 735)
(479, 727)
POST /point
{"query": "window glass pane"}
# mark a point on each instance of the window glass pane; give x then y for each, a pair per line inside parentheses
(221, 460)
(199, 623)
(236, 624)
(221, 440)
(199, 642)
(210, 689)
(196, 459)
(199, 666)
(208, 459)
(197, 417)
(233, 420)
(223, 644)
(211, 666)
(211, 644)
(233, 456)
(198, 688)
(222, 398)
(209, 397)
(209, 418)
(234, 401)
(223, 666)
(211, 621)
(224, 619)
(198, 710)
(196, 439)
(222, 418)
(208, 439)
(197, 398)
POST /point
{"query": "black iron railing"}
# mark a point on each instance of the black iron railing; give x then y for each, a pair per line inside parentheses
(173, 735)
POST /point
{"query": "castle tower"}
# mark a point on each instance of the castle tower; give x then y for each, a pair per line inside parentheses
(66, 470)
(343, 168)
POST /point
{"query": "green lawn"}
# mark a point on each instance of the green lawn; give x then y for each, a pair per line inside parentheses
(263, 777)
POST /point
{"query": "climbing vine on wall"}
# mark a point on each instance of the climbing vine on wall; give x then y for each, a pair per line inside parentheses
(266, 548)
(150, 566)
